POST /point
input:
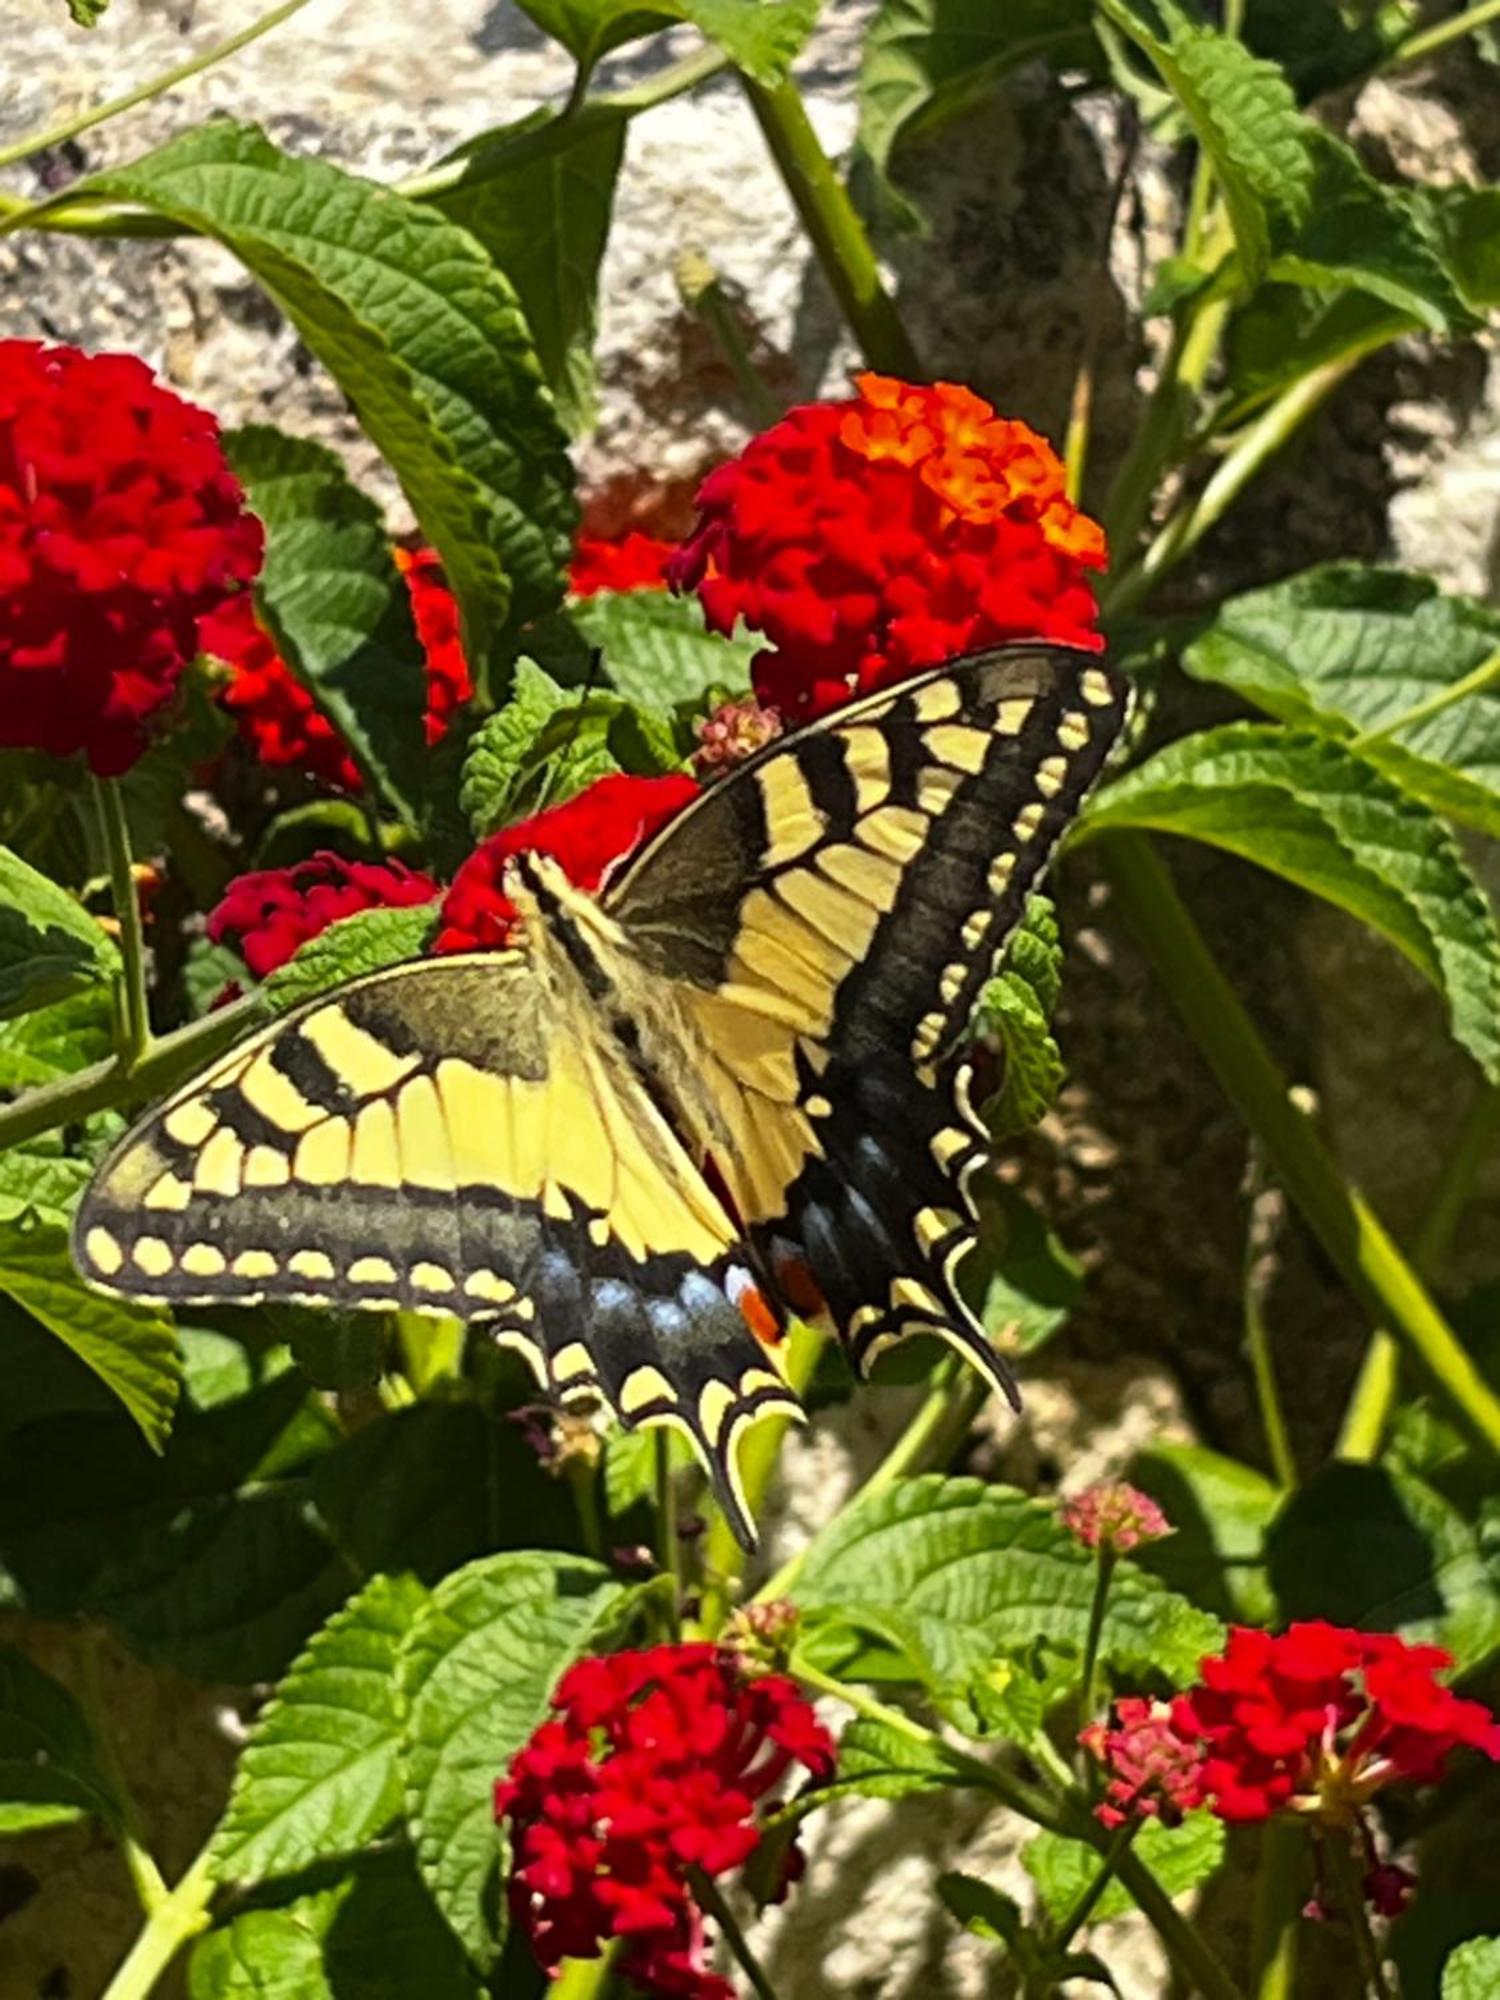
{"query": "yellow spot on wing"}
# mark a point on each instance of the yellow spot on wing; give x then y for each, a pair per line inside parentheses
(868, 874)
(151, 1255)
(1051, 776)
(714, 1405)
(266, 1167)
(254, 1264)
(431, 1278)
(322, 1158)
(202, 1260)
(1027, 820)
(422, 1134)
(372, 1271)
(266, 1090)
(1096, 689)
(794, 821)
(642, 1387)
(867, 759)
(1073, 730)
(939, 701)
(314, 1265)
(960, 746)
(190, 1124)
(1001, 869)
(844, 922)
(898, 832)
(362, 1063)
(490, 1287)
(169, 1192)
(375, 1160)
(1010, 717)
(572, 1363)
(217, 1168)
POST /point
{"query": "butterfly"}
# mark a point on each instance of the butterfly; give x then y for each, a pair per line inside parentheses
(729, 1087)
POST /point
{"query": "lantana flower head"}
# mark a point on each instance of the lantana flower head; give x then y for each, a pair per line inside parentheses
(268, 914)
(652, 1764)
(872, 537)
(435, 613)
(273, 712)
(121, 525)
(1320, 1718)
(586, 833)
(631, 561)
(1114, 1515)
(1154, 1770)
(733, 733)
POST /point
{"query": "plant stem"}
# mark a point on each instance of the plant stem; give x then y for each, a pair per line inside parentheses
(584, 1978)
(1374, 1392)
(104, 1085)
(834, 229)
(703, 293)
(1348, 1229)
(1081, 408)
(1190, 1952)
(133, 1025)
(712, 1901)
(723, 1558)
(181, 1915)
(1473, 682)
(668, 1542)
(1109, 1867)
(69, 128)
(1103, 1574)
(1344, 1869)
(1278, 1910)
(144, 1873)
(1428, 40)
(1258, 1335)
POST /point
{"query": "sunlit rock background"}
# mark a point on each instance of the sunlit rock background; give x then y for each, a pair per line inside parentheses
(1140, 1167)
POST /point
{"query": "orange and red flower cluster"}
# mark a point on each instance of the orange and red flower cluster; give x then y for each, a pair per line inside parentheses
(120, 526)
(653, 1764)
(870, 538)
(1315, 1720)
(630, 562)
(267, 915)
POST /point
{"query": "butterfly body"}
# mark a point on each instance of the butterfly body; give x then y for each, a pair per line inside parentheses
(628, 1142)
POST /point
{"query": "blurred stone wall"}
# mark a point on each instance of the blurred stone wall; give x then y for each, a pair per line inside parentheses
(1141, 1164)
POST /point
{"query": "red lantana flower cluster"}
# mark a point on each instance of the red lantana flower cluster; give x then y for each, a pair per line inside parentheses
(631, 562)
(434, 611)
(1114, 1516)
(120, 527)
(652, 1764)
(267, 915)
(870, 538)
(1315, 1720)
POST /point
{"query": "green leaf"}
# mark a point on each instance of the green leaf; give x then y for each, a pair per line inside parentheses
(87, 13)
(1331, 44)
(1020, 1279)
(476, 1671)
(336, 604)
(630, 1465)
(546, 742)
(1220, 1511)
(57, 1040)
(49, 945)
(982, 1909)
(319, 1775)
(924, 60)
(348, 950)
(1467, 223)
(1245, 117)
(877, 1761)
(544, 219)
(132, 1349)
(421, 332)
(656, 649)
(590, 29)
(761, 37)
(1180, 1857)
(49, 1768)
(372, 1935)
(954, 1572)
(48, 1181)
(1376, 1549)
(1015, 1015)
(1352, 651)
(1473, 1971)
(1305, 808)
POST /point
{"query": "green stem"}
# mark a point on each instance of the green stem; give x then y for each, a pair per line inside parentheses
(668, 1541)
(1344, 1869)
(1190, 1952)
(1374, 1393)
(144, 1873)
(723, 1558)
(1109, 1868)
(1279, 1896)
(1262, 1359)
(584, 1978)
(1348, 1229)
(1081, 408)
(69, 128)
(702, 292)
(179, 1916)
(103, 1086)
(133, 1026)
(1262, 439)
(1473, 682)
(1103, 1574)
(711, 1900)
(583, 1478)
(834, 229)
(1428, 40)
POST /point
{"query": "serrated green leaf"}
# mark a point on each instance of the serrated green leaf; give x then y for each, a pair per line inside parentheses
(48, 1181)
(1466, 221)
(348, 949)
(1379, 1550)
(49, 945)
(57, 1040)
(1015, 1014)
(1472, 1972)
(544, 218)
(1020, 1279)
(476, 1671)
(1306, 808)
(319, 1775)
(331, 595)
(590, 29)
(761, 37)
(955, 1572)
(132, 1349)
(1181, 1858)
(924, 60)
(1245, 116)
(1352, 651)
(656, 648)
(419, 329)
(1220, 1511)
(49, 1765)
(545, 742)
(630, 1465)
(372, 1935)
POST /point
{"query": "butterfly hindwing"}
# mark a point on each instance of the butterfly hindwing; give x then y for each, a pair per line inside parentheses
(831, 912)
(429, 1138)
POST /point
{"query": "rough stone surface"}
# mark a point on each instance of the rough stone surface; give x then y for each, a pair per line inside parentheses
(1141, 1164)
